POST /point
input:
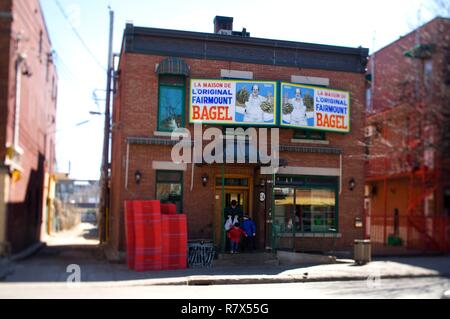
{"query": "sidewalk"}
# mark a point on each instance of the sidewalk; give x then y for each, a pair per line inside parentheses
(50, 267)
(343, 271)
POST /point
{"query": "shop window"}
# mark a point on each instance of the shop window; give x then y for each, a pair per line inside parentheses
(169, 188)
(171, 104)
(309, 135)
(284, 209)
(309, 208)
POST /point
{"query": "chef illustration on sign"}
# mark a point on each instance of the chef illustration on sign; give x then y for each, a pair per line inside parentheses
(298, 115)
(253, 111)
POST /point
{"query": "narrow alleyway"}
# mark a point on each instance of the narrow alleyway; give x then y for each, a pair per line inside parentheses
(82, 234)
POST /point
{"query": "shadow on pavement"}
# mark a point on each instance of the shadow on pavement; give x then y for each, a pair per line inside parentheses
(51, 264)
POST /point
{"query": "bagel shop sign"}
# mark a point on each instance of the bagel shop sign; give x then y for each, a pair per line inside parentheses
(232, 102)
(308, 107)
(259, 103)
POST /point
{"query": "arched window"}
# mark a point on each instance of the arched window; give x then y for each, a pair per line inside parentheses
(172, 94)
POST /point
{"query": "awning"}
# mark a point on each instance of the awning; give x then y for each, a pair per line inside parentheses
(175, 66)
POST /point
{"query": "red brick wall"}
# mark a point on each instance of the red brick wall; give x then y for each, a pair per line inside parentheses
(399, 83)
(408, 112)
(395, 75)
(135, 114)
(37, 118)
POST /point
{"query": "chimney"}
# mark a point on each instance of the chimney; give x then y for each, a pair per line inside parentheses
(223, 25)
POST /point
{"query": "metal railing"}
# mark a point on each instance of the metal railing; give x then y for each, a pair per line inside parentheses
(200, 254)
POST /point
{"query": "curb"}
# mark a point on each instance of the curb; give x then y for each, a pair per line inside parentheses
(291, 279)
(210, 281)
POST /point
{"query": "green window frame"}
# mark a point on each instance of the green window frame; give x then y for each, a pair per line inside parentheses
(171, 102)
(309, 135)
(169, 188)
(293, 223)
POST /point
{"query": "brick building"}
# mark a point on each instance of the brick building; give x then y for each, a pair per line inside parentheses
(314, 201)
(27, 122)
(408, 125)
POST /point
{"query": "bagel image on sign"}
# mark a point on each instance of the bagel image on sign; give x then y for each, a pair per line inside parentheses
(231, 102)
(315, 108)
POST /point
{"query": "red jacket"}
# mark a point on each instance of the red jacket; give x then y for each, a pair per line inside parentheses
(235, 234)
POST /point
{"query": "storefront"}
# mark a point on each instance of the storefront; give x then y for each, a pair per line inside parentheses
(208, 83)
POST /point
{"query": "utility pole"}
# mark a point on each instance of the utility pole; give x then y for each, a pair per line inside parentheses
(104, 179)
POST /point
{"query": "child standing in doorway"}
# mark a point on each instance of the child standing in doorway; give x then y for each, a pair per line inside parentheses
(235, 234)
(249, 227)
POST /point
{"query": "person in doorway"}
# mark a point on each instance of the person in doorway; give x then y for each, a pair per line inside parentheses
(235, 211)
(249, 227)
(235, 235)
(232, 215)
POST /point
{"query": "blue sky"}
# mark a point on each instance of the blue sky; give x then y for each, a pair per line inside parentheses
(371, 24)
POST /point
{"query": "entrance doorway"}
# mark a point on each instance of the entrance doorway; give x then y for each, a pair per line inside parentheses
(235, 188)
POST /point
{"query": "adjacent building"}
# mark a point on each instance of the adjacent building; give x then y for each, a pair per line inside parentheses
(168, 79)
(408, 141)
(28, 87)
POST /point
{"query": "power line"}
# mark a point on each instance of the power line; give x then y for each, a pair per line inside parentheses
(58, 4)
(70, 76)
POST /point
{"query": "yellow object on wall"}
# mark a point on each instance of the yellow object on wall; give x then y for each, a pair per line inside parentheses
(16, 176)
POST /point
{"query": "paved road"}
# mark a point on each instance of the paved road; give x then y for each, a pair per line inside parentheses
(423, 288)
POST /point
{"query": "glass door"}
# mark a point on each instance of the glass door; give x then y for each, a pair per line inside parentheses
(283, 216)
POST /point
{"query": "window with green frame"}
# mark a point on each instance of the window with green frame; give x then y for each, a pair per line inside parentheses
(171, 103)
(306, 205)
(309, 135)
(169, 188)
